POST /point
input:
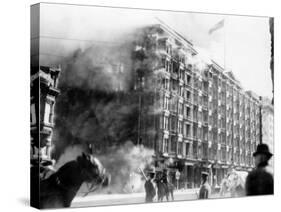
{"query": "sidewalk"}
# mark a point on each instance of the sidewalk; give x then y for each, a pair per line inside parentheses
(98, 197)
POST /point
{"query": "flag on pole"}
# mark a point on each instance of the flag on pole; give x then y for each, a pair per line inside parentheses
(217, 26)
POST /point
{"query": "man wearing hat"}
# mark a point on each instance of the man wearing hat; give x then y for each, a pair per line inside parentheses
(205, 188)
(260, 180)
(149, 187)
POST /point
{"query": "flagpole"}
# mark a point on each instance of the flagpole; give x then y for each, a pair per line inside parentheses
(224, 46)
(217, 26)
(225, 42)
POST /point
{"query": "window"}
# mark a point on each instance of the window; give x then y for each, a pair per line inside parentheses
(32, 114)
(200, 116)
(215, 137)
(165, 145)
(180, 144)
(200, 100)
(174, 104)
(205, 101)
(181, 74)
(195, 147)
(187, 149)
(187, 129)
(205, 86)
(181, 91)
(175, 85)
(173, 143)
(224, 154)
(205, 133)
(165, 83)
(205, 150)
(194, 131)
(187, 112)
(180, 108)
(214, 152)
(210, 136)
(173, 123)
(188, 79)
(163, 62)
(199, 151)
(195, 98)
(47, 113)
(229, 156)
(200, 85)
(51, 115)
(218, 155)
(187, 95)
(166, 103)
(168, 49)
(166, 64)
(195, 115)
(166, 123)
(205, 116)
(175, 67)
(195, 83)
(200, 133)
(180, 127)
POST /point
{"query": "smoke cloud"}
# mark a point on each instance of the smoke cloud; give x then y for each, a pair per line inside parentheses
(123, 163)
(95, 105)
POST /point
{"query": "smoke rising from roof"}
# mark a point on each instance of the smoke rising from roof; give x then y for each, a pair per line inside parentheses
(92, 107)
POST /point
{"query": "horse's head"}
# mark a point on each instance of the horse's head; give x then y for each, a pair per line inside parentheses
(92, 170)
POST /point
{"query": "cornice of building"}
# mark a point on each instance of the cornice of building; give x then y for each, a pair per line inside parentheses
(175, 34)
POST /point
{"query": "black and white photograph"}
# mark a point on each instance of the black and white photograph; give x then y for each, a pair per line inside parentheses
(131, 106)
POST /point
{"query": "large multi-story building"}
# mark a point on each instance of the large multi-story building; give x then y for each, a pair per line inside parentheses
(203, 119)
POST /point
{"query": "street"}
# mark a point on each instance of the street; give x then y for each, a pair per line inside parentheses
(131, 198)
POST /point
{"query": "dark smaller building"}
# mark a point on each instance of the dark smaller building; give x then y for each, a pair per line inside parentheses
(44, 82)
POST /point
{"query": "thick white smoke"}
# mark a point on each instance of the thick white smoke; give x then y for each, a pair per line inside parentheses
(123, 163)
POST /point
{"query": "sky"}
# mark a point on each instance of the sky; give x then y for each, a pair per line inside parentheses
(242, 45)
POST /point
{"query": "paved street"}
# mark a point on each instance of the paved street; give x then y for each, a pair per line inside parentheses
(117, 199)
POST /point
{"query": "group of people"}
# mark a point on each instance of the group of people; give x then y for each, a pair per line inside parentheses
(151, 180)
(258, 182)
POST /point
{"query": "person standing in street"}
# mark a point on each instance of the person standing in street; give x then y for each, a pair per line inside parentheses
(260, 180)
(149, 188)
(224, 186)
(205, 188)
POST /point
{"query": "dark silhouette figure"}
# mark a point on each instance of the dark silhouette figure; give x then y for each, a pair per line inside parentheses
(164, 188)
(149, 189)
(60, 188)
(205, 188)
(260, 180)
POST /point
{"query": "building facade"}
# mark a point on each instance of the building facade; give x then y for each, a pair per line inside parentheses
(205, 121)
(268, 125)
(44, 91)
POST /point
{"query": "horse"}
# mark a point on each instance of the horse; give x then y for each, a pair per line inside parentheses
(234, 183)
(58, 190)
(237, 181)
(164, 190)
